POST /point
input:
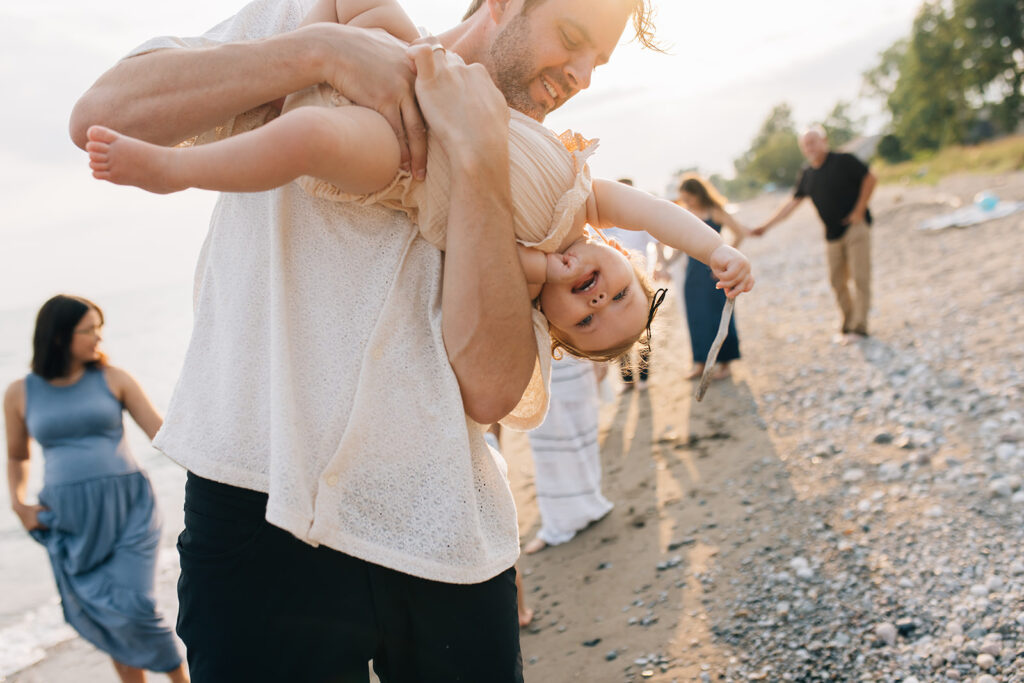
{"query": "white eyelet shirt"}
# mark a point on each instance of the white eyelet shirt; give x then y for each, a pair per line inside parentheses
(317, 374)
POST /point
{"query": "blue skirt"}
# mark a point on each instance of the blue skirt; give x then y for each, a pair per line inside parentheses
(102, 537)
(704, 304)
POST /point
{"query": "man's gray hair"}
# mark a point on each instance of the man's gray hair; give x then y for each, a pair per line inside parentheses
(815, 129)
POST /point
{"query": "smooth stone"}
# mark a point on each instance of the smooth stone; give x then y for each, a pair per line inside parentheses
(853, 475)
(1000, 488)
(986, 661)
(886, 632)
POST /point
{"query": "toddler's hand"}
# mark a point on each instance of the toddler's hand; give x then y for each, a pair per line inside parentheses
(732, 269)
(563, 268)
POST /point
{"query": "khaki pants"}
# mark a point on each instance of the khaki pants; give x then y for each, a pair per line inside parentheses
(849, 257)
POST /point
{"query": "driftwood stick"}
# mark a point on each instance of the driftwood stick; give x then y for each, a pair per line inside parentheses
(709, 364)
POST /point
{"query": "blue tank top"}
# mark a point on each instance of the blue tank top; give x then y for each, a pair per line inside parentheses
(79, 428)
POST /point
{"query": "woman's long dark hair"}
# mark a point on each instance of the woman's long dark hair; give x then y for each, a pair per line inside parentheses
(705, 192)
(55, 328)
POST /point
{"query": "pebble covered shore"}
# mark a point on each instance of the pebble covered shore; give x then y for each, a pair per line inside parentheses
(831, 513)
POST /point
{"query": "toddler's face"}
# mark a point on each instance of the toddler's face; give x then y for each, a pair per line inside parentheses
(603, 305)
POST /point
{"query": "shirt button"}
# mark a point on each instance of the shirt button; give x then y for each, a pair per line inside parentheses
(332, 480)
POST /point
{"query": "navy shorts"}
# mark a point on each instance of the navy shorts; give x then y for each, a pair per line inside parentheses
(256, 604)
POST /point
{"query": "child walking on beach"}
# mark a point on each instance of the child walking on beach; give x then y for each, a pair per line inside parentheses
(596, 301)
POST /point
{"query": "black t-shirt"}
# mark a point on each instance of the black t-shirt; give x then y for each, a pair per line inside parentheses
(834, 189)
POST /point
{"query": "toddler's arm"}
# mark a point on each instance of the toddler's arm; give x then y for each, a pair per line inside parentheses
(615, 204)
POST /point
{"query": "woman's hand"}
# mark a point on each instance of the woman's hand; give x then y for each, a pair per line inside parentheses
(732, 270)
(29, 515)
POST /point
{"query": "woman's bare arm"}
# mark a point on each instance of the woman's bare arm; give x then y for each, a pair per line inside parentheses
(127, 390)
(739, 231)
(18, 455)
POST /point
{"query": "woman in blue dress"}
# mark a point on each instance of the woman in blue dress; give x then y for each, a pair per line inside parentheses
(704, 301)
(96, 516)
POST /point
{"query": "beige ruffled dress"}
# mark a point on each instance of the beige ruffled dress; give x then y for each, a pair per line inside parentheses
(549, 178)
(549, 181)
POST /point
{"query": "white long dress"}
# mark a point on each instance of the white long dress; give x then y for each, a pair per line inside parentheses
(566, 454)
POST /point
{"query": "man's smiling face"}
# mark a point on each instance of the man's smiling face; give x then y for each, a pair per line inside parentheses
(545, 54)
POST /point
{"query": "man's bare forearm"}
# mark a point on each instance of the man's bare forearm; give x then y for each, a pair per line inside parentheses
(488, 330)
(170, 95)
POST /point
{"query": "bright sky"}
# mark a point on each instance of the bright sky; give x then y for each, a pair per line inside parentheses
(730, 62)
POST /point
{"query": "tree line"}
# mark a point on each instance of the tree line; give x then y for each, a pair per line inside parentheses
(958, 78)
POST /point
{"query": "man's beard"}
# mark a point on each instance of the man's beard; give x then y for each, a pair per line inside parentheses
(512, 64)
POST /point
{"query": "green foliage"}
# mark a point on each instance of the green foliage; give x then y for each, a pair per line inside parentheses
(997, 156)
(957, 77)
(736, 189)
(774, 155)
(841, 125)
(890, 149)
(993, 55)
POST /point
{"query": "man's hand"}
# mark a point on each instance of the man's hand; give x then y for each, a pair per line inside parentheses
(371, 68)
(856, 216)
(29, 515)
(732, 270)
(464, 109)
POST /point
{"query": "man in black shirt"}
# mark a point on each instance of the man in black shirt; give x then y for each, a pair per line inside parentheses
(840, 186)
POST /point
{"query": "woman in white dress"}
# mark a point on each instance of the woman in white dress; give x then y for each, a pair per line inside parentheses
(567, 457)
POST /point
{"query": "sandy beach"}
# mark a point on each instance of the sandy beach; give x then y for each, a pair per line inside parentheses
(829, 512)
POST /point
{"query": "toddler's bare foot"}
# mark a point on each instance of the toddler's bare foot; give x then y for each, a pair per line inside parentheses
(525, 616)
(696, 371)
(125, 160)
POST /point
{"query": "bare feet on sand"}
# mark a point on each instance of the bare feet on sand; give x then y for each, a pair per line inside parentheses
(124, 160)
(535, 546)
(696, 371)
(721, 372)
(525, 613)
(847, 338)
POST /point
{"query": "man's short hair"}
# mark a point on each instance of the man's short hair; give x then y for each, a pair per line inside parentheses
(815, 129)
(643, 19)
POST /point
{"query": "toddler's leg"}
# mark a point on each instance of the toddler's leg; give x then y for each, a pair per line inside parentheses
(124, 160)
(352, 147)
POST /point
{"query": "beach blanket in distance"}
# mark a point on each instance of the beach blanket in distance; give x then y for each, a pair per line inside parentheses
(971, 215)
